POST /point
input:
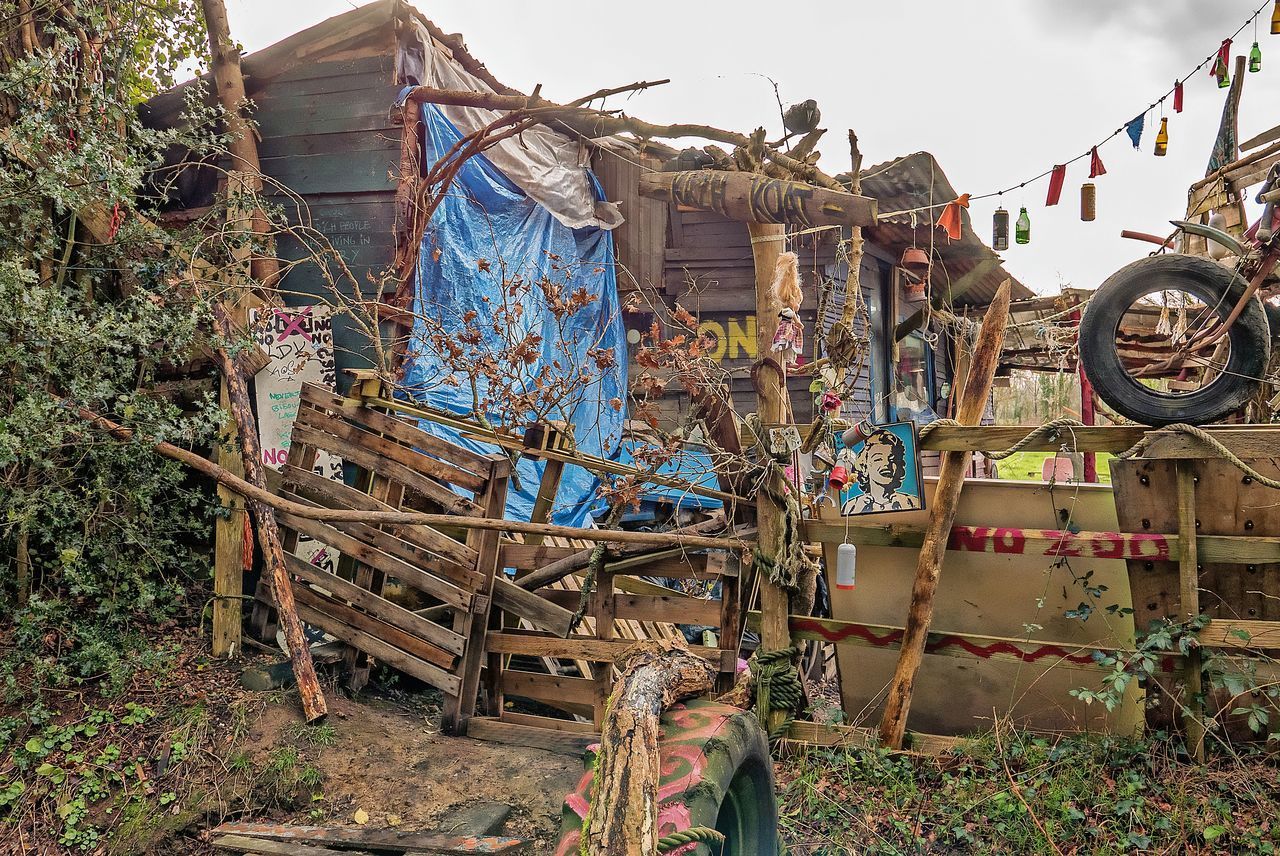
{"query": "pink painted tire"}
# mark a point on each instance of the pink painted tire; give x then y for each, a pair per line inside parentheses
(716, 772)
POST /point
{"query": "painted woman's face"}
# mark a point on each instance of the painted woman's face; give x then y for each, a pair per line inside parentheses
(881, 467)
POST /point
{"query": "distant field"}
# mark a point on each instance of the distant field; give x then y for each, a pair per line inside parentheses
(1028, 466)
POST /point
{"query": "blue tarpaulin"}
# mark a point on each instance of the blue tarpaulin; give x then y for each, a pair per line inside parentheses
(690, 464)
(486, 217)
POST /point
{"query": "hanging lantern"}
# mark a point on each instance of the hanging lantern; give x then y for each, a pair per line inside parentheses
(1000, 230)
(846, 564)
(1088, 202)
(1255, 59)
(1162, 139)
(1022, 229)
(1275, 20)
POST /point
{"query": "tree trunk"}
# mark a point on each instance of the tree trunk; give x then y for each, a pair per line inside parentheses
(624, 797)
(229, 82)
(977, 389)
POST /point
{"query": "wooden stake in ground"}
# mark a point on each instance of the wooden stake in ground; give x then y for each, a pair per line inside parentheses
(942, 514)
(775, 602)
(624, 796)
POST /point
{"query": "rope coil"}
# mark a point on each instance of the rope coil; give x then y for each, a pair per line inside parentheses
(693, 835)
(778, 687)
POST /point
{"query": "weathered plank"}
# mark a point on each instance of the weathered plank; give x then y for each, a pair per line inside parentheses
(530, 736)
(394, 840)
(557, 689)
(379, 607)
(594, 650)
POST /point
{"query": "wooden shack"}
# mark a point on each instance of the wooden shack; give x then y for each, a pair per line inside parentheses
(323, 106)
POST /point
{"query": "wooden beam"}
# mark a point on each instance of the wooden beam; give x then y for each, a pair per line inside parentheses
(1249, 442)
(1189, 588)
(751, 197)
(1139, 546)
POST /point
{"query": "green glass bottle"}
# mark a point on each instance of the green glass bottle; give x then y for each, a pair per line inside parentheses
(1022, 229)
(1255, 58)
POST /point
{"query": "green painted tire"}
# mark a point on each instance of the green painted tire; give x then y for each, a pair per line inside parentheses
(716, 772)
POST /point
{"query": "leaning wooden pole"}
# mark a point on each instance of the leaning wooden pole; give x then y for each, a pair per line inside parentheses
(977, 389)
(623, 818)
(304, 670)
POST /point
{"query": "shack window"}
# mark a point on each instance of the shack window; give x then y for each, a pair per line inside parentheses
(912, 392)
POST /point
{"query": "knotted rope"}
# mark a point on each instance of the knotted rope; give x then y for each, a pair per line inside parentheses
(1209, 440)
(695, 834)
(778, 687)
(1049, 428)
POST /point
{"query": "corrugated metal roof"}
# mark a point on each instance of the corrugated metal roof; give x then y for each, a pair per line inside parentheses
(968, 268)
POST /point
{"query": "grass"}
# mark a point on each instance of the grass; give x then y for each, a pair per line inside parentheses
(1028, 466)
(1011, 792)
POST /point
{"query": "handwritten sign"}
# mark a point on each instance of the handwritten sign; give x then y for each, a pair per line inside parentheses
(299, 343)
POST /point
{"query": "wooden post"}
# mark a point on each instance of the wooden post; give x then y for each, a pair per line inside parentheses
(1087, 415)
(775, 634)
(624, 793)
(942, 513)
(1189, 579)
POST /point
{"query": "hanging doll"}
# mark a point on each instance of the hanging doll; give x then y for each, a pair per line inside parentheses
(788, 341)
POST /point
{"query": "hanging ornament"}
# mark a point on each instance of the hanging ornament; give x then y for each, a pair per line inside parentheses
(1022, 229)
(1177, 97)
(1255, 59)
(1056, 180)
(1000, 230)
(1088, 202)
(1095, 164)
(1162, 139)
(846, 563)
(1134, 129)
(1162, 326)
(1275, 20)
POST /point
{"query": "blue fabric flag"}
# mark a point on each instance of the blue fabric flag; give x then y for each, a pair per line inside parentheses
(487, 218)
(1134, 129)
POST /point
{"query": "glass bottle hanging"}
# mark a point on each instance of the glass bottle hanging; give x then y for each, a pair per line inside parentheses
(1255, 58)
(1022, 229)
(1162, 139)
(1000, 230)
(1275, 20)
(1223, 73)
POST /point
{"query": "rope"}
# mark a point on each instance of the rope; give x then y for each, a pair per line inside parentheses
(1051, 428)
(1209, 440)
(778, 687)
(692, 835)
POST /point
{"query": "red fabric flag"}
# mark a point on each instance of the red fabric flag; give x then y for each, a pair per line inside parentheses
(951, 219)
(1177, 97)
(1224, 59)
(1095, 164)
(1055, 185)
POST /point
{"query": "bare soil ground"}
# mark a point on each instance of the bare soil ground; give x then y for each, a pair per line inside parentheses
(389, 761)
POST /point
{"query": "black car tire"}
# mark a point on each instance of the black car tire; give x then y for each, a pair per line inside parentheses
(1220, 287)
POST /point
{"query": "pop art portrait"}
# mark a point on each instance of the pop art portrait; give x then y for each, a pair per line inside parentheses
(884, 472)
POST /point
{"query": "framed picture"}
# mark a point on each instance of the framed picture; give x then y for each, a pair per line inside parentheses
(883, 470)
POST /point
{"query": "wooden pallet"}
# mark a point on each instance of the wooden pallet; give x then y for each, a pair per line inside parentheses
(397, 462)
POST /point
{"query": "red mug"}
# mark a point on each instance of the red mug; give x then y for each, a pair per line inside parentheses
(839, 477)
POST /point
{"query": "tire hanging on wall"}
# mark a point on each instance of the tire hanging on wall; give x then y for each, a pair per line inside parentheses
(1220, 288)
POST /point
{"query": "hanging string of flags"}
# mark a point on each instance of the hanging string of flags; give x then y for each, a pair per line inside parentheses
(1219, 64)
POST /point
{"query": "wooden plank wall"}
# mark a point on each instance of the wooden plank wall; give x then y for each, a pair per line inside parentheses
(326, 133)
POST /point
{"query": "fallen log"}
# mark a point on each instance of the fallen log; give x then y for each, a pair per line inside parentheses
(623, 819)
(946, 497)
(253, 493)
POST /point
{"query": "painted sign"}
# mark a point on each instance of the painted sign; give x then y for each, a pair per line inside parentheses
(299, 342)
(883, 471)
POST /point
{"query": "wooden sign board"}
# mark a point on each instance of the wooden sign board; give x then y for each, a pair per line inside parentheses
(751, 197)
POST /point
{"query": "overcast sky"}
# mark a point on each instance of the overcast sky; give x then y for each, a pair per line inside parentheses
(997, 90)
